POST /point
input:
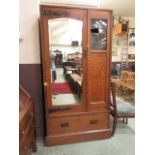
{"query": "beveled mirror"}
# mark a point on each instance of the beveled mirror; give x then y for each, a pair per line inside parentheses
(66, 66)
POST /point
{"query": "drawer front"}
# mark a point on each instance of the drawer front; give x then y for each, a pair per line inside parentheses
(28, 118)
(22, 150)
(25, 150)
(63, 124)
(26, 140)
(94, 121)
(27, 132)
(23, 147)
(30, 136)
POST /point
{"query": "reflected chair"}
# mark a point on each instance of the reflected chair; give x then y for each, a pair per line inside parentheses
(119, 109)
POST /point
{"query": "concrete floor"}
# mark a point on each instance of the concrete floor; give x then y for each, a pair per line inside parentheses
(123, 143)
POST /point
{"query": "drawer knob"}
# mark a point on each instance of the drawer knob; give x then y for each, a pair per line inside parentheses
(93, 122)
(64, 125)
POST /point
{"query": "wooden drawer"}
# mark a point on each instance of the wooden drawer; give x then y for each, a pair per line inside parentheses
(22, 149)
(25, 134)
(23, 146)
(94, 121)
(27, 139)
(25, 150)
(28, 118)
(26, 122)
(30, 136)
(63, 124)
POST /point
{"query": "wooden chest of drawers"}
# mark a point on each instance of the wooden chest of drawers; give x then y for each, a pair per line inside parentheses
(27, 136)
(76, 127)
(76, 123)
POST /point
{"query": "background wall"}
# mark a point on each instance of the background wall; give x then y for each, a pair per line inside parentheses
(29, 26)
(28, 23)
(30, 73)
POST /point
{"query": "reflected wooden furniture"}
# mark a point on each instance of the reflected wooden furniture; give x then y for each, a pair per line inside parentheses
(70, 69)
(74, 56)
(65, 64)
(75, 81)
(119, 109)
(90, 119)
(27, 134)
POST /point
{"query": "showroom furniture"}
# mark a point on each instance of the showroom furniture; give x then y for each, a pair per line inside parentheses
(89, 119)
(27, 134)
(119, 109)
(126, 84)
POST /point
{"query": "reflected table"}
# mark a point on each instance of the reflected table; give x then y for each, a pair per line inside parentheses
(76, 83)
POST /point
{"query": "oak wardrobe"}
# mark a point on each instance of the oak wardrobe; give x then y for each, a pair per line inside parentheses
(77, 92)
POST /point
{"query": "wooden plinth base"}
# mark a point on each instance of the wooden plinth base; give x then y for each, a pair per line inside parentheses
(52, 140)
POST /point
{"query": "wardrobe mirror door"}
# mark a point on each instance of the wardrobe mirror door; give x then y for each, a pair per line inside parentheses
(65, 53)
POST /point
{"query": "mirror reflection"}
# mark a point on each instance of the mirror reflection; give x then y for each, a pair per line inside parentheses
(65, 38)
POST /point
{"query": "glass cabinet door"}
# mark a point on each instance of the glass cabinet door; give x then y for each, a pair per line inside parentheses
(99, 58)
(98, 34)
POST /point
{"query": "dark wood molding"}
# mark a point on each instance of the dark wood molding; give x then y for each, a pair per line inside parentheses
(53, 14)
